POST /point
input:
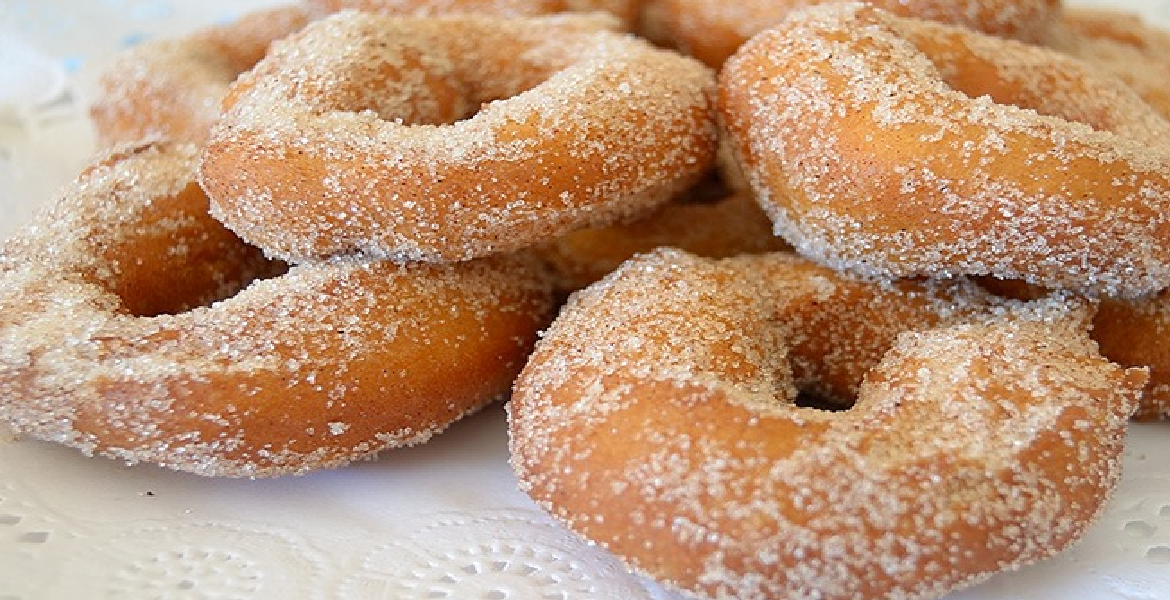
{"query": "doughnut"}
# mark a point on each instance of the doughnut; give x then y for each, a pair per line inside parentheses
(711, 30)
(172, 88)
(448, 138)
(909, 148)
(1124, 45)
(660, 417)
(294, 368)
(626, 10)
(726, 225)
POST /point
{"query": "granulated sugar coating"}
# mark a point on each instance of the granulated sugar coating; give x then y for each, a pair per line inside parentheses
(711, 30)
(171, 88)
(114, 338)
(894, 147)
(656, 418)
(453, 137)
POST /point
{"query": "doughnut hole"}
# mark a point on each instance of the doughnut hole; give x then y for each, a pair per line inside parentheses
(837, 333)
(204, 262)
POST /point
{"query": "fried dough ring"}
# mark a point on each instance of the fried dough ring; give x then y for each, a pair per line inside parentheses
(656, 418)
(582, 126)
(902, 152)
(310, 368)
(172, 88)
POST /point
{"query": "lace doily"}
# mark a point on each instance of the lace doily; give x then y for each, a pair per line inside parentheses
(440, 521)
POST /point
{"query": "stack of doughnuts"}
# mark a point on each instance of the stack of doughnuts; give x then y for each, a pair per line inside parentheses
(313, 237)
(135, 326)
(865, 417)
(1093, 221)
(820, 300)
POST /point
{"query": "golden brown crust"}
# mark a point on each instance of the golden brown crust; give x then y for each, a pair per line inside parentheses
(573, 125)
(913, 150)
(171, 88)
(712, 30)
(314, 367)
(655, 417)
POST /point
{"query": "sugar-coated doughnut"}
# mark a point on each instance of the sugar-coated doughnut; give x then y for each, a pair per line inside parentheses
(626, 10)
(657, 418)
(711, 30)
(307, 368)
(172, 88)
(726, 225)
(897, 147)
(1123, 44)
(447, 138)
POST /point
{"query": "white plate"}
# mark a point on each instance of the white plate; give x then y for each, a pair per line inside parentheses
(441, 521)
